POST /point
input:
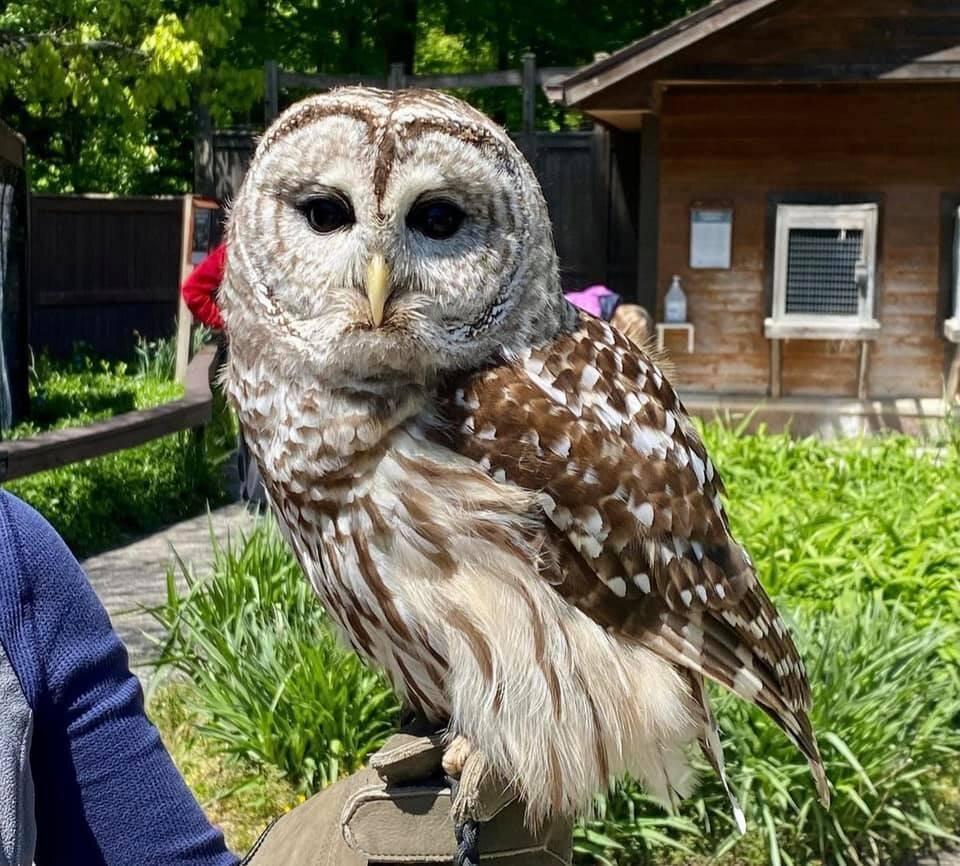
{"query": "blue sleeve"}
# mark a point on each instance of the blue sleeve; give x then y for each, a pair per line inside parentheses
(107, 792)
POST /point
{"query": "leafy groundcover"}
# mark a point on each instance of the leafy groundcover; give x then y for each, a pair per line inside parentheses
(99, 503)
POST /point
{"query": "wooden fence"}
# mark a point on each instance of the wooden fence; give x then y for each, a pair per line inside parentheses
(590, 179)
(102, 268)
(22, 457)
(528, 78)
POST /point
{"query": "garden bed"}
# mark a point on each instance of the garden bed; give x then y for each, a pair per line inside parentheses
(98, 503)
(857, 539)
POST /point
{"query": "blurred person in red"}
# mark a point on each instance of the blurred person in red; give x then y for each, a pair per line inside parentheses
(200, 288)
(199, 292)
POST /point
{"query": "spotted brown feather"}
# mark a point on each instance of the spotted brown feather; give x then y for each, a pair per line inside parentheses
(641, 540)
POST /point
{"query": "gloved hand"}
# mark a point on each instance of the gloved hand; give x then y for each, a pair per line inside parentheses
(399, 811)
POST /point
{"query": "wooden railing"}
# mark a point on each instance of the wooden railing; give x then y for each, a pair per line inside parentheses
(528, 78)
(22, 457)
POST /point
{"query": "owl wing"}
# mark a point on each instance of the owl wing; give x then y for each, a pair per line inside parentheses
(638, 538)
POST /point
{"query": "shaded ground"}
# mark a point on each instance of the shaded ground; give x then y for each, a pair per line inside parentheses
(135, 575)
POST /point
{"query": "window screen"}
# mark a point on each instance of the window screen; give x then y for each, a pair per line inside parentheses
(821, 271)
(824, 270)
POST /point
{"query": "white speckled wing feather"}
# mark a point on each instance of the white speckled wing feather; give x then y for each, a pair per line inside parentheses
(642, 542)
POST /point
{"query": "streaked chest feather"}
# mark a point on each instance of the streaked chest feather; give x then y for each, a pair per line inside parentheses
(386, 525)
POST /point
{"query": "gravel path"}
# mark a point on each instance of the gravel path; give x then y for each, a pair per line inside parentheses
(135, 575)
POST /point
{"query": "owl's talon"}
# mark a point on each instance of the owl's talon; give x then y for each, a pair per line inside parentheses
(455, 756)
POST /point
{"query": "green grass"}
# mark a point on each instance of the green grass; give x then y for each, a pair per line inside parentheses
(84, 390)
(237, 796)
(856, 539)
(273, 686)
(98, 503)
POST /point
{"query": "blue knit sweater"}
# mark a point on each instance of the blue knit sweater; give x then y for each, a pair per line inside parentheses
(105, 789)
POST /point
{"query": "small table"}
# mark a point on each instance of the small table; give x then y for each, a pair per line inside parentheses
(662, 327)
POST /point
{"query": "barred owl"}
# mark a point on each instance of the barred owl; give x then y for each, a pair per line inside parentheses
(500, 501)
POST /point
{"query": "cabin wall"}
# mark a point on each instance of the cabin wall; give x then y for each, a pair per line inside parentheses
(899, 144)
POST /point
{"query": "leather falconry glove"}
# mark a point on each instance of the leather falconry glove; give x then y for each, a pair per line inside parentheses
(401, 811)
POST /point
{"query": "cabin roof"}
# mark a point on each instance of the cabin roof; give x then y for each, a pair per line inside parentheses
(642, 53)
(772, 42)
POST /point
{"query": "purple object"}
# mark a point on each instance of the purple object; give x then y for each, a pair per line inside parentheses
(598, 301)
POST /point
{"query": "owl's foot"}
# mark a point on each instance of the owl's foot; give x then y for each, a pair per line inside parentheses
(455, 756)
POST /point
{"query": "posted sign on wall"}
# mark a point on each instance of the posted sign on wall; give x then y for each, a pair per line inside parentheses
(711, 237)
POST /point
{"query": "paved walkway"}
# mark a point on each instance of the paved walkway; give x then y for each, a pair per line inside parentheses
(134, 576)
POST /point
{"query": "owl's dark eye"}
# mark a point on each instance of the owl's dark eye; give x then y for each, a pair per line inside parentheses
(327, 213)
(438, 219)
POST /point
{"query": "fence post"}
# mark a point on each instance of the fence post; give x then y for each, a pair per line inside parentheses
(184, 316)
(271, 91)
(204, 179)
(395, 80)
(529, 93)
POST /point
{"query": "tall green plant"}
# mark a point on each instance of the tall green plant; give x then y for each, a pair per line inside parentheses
(885, 711)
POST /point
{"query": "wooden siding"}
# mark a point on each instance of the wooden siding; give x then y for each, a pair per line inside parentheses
(13, 282)
(850, 39)
(899, 144)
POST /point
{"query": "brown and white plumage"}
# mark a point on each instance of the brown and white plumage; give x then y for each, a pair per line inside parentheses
(501, 504)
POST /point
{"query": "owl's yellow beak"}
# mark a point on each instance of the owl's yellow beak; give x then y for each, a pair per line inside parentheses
(378, 287)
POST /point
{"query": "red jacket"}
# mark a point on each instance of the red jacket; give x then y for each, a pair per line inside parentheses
(201, 286)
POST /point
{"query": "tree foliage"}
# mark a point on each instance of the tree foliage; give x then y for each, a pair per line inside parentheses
(103, 89)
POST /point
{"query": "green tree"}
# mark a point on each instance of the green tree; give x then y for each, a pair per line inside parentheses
(103, 89)
(84, 81)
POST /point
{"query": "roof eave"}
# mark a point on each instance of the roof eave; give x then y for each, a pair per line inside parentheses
(657, 46)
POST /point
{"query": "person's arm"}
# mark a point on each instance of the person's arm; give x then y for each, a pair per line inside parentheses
(107, 792)
(200, 288)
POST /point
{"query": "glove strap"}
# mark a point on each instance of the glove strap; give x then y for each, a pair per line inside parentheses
(468, 844)
(467, 833)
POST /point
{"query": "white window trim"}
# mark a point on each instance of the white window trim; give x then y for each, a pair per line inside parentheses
(859, 326)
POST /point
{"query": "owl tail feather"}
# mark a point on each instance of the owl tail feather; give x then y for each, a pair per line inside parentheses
(713, 748)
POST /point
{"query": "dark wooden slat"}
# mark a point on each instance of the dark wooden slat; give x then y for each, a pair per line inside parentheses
(132, 294)
(504, 78)
(328, 82)
(529, 75)
(648, 223)
(203, 172)
(12, 147)
(271, 91)
(99, 203)
(57, 448)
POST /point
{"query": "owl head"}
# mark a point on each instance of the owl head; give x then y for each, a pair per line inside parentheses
(386, 238)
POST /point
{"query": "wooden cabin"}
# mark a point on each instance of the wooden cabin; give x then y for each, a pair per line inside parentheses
(800, 173)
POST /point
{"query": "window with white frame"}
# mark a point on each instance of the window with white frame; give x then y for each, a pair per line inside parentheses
(824, 272)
